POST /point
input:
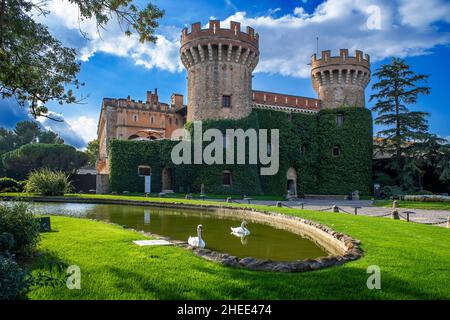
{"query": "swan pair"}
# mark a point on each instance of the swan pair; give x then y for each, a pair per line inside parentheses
(197, 241)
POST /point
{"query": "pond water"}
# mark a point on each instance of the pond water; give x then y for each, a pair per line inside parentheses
(264, 242)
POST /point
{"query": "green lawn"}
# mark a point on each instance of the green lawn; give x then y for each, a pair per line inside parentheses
(414, 261)
(414, 204)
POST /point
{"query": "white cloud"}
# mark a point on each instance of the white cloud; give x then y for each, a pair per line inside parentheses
(407, 28)
(287, 42)
(163, 54)
(76, 131)
(86, 127)
(423, 13)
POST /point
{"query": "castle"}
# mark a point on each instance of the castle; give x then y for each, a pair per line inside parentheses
(219, 63)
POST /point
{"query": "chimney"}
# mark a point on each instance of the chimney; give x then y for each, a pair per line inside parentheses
(149, 97)
(155, 97)
(177, 100)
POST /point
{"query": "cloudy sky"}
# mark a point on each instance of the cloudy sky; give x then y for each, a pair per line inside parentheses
(114, 65)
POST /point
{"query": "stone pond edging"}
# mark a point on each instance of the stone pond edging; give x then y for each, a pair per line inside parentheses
(342, 248)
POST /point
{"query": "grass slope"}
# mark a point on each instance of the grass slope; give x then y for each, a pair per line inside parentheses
(413, 258)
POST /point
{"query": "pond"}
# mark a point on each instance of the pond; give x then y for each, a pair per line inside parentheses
(264, 242)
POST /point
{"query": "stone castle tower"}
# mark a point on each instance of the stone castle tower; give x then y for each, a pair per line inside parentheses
(340, 80)
(219, 63)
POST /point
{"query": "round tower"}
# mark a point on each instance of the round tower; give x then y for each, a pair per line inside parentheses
(219, 63)
(340, 80)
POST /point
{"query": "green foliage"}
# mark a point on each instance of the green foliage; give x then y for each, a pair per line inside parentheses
(9, 185)
(245, 178)
(25, 132)
(92, 152)
(59, 157)
(296, 131)
(127, 156)
(306, 142)
(36, 68)
(13, 279)
(48, 183)
(19, 229)
(352, 169)
(406, 136)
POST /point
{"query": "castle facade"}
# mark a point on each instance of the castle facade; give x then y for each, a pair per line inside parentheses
(327, 138)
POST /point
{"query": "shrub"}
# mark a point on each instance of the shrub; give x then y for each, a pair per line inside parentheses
(19, 230)
(48, 183)
(391, 191)
(8, 185)
(13, 280)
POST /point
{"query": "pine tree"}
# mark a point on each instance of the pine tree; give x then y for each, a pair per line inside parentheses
(398, 88)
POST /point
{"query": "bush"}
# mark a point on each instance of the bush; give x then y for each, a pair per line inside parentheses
(48, 183)
(13, 280)
(8, 185)
(391, 191)
(19, 230)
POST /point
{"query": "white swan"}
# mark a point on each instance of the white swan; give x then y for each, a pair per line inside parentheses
(197, 241)
(242, 230)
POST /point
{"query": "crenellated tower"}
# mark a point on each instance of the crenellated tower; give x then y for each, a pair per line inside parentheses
(340, 80)
(219, 63)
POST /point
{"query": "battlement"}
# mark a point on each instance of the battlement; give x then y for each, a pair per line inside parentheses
(215, 31)
(343, 59)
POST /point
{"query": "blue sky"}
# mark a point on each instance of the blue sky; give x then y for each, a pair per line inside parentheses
(116, 66)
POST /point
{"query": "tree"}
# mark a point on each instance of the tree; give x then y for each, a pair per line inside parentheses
(7, 140)
(92, 152)
(50, 137)
(26, 132)
(397, 89)
(57, 157)
(34, 66)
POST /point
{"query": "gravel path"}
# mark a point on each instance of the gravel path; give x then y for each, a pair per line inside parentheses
(365, 208)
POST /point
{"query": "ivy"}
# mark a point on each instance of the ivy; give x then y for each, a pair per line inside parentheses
(306, 144)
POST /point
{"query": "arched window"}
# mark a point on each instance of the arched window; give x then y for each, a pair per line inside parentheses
(135, 118)
(152, 120)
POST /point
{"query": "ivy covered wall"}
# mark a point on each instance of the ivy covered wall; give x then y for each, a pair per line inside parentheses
(306, 143)
(352, 169)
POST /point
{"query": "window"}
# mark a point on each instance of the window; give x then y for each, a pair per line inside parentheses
(336, 151)
(176, 121)
(339, 120)
(152, 120)
(226, 101)
(144, 171)
(227, 178)
(303, 150)
(290, 117)
(135, 118)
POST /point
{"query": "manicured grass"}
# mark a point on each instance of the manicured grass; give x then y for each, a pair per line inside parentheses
(414, 204)
(413, 258)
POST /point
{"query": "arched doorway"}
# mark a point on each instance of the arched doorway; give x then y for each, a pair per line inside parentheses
(291, 182)
(166, 178)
